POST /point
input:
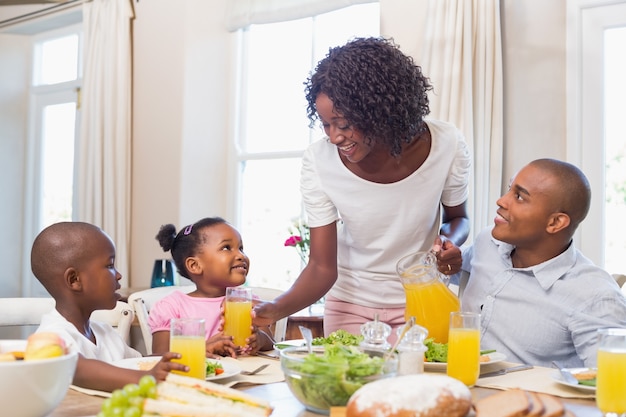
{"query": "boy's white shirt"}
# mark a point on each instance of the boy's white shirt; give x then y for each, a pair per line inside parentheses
(109, 347)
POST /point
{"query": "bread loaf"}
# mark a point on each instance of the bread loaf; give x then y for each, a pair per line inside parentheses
(537, 407)
(422, 395)
(511, 403)
(519, 403)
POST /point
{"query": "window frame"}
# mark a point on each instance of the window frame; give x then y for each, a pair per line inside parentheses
(585, 110)
(240, 155)
(41, 96)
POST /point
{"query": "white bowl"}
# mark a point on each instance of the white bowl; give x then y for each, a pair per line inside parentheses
(33, 388)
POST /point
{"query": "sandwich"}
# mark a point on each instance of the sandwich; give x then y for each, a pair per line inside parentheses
(183, 396)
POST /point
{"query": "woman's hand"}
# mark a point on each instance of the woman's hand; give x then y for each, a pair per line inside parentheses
(449, 258)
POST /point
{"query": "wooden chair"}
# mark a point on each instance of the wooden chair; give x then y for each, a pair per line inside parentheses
(142, 301)
(621, 281)
(27, 311)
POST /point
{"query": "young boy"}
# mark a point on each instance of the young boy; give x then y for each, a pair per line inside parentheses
(75, 262)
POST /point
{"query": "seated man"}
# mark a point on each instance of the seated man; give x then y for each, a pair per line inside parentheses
(540, 299)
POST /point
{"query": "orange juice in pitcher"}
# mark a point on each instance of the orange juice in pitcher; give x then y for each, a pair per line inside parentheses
(428, 298)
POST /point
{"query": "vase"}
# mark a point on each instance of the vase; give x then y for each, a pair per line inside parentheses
(162, 273)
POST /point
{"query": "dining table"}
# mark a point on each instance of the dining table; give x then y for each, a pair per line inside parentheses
(271, 386)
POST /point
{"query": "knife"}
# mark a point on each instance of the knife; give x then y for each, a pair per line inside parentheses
(506, 371)
(566, 374)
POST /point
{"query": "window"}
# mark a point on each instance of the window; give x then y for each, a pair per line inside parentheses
(615, 149)
(598, 127)
(273, 130)
(55, 86)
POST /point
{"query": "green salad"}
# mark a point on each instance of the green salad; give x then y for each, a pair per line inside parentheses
(213, 368)
(438, 352)
(341, 337)
(588, 382)
(322, 380)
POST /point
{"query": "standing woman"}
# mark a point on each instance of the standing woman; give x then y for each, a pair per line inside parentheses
(385, 183)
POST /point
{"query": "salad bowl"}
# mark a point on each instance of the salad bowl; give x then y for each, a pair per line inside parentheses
(329, 375)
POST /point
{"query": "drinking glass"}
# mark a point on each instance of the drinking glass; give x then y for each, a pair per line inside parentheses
(464, 347)
(611, 378)
(237, 314)
(187, 337)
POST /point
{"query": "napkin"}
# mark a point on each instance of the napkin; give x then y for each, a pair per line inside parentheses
(273, 373)
(91, 391)
(538, 379)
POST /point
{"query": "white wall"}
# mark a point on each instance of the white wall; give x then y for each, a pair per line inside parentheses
(183, 97)
(533, 38)
(14, 62)
(534, 82)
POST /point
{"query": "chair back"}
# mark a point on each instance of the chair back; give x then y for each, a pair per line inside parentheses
(24, 311)
(121, 318)
(269, 294)
(142, 302)
(621, 281)
(28, 311)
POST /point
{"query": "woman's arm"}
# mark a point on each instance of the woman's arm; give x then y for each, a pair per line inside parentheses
(317, 277)
(455, 223)
(453, 233)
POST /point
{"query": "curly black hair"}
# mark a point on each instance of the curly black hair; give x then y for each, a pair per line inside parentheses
(186, 242)
(379, 90)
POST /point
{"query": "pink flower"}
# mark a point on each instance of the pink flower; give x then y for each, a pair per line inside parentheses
(293, 241)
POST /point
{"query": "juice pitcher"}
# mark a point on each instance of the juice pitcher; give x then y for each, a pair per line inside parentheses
(428, 298)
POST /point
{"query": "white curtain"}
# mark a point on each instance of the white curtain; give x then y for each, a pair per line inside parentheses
(462, 55)
(105, 145)
(242, 13)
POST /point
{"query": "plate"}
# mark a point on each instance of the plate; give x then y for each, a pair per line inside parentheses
(287, 343)
(558, 378)
(494, 357)
(230, 369)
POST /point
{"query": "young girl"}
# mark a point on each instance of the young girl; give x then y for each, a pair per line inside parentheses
(209, 253)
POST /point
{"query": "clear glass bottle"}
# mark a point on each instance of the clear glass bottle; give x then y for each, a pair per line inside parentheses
(375, 334)
(411, 350)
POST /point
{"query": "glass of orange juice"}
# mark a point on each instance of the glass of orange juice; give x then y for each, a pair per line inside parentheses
(464, 347)
(238, 314)
(611, 377)
(187, 337)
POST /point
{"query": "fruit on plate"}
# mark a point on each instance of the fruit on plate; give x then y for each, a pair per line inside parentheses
(44, 345)
(7, 357)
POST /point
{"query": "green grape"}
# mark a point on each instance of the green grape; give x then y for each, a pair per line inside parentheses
(132, 412)
(119, 398)
(136, 402)
(117, 412)
(107, 406)
(132, 390)
(128, 401)
(152, 393)
(146, 383)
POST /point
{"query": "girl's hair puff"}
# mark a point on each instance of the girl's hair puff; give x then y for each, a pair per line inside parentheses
(378, 89)
(186, 243)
